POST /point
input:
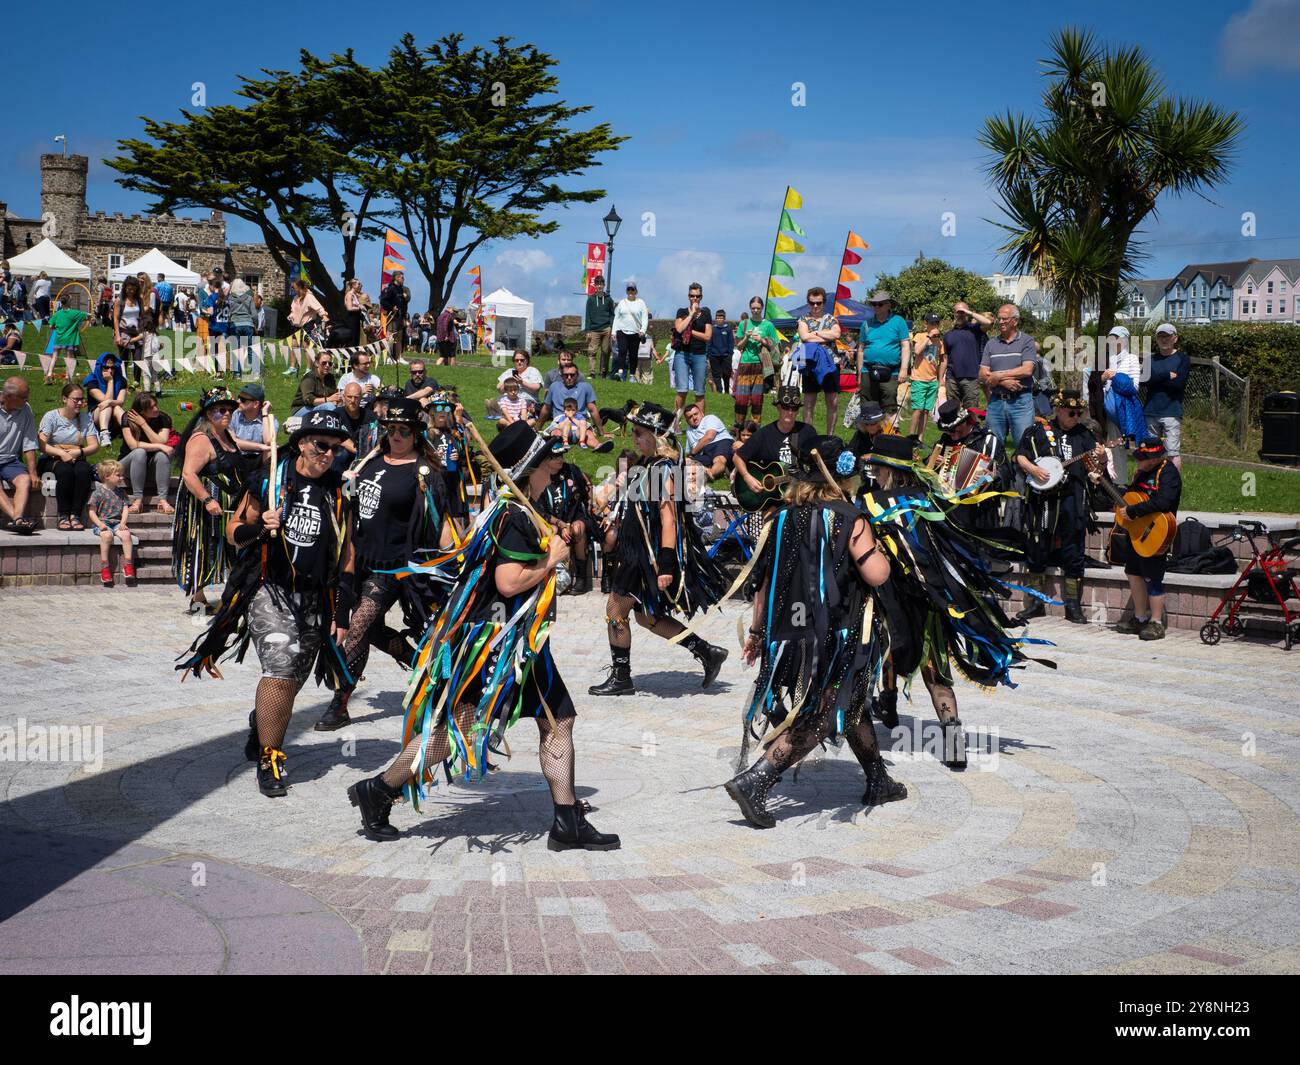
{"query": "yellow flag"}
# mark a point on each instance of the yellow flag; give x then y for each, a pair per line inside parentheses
(776, 290)
(786, 243)
(793, 201)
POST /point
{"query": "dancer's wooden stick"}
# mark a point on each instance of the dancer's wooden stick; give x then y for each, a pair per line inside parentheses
(272, 489)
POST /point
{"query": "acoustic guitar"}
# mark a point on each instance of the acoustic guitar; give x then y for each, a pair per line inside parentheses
(1150, 534)
(772, 479)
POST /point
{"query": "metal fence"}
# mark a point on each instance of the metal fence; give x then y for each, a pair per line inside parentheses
(1215, 393)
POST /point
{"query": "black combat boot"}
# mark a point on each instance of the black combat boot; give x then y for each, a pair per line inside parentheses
(374, 799)
(1072, 597)
(336, 716)
(1034, 607)
(954, 744)
(750, 789)
(711, 658)
(272, 776)
(619, 682)
(572, 831)
(880, 787)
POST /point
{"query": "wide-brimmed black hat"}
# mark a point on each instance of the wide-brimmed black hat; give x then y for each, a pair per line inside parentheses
(319, 423)
(839, 461)
(1150, 448)
(213, 396)
(889, 449)
(1069, 399)
(402, 411)
(870, 413)
(950, 414)
(653, 417)
(519, 449)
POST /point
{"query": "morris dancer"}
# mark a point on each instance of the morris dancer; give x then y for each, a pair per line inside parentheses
(211, 478)
(814, 630)
(941, 602)
(660, 563)
(293, 544)
(398, 515)
(486, 659)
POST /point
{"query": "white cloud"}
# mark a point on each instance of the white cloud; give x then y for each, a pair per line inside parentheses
(524, 260)
(1265, 36)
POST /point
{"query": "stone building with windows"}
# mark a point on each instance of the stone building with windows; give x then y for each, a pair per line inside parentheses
(104, 242)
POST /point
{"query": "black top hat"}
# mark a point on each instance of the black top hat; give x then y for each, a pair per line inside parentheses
(839, 461)
(889, 449)
(402, 411)
(1069, 399)
(519, 449)
(950, 414)
(789, 396)
(320, 423)
(1150, 448)
(653, 417)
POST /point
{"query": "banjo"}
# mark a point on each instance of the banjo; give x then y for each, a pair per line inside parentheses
(1055, 469)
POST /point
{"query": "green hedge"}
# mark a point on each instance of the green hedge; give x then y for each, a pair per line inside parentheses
(1266, 353)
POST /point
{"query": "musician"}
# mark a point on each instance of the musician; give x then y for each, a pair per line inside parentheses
(566, 503)
(777, 442)
(959, 428)
(868, 425)
(1159, 479)
(1057, 520)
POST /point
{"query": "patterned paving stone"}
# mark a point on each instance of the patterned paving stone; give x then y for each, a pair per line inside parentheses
(1119, 823)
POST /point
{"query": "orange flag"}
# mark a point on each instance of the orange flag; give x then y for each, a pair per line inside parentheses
(856, 241)
(848, 275)
(393, 238)
(841, 309)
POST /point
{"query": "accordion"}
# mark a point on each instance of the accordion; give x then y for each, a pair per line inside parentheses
(960, 468)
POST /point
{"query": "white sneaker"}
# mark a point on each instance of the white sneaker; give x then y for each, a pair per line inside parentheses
(289, 372)
(105, 438)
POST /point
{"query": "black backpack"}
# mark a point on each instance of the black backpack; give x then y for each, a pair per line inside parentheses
(1194, 551)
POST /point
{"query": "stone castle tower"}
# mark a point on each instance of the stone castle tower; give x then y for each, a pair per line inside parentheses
(63, 196)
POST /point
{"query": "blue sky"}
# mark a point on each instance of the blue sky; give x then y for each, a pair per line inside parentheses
(885, 143)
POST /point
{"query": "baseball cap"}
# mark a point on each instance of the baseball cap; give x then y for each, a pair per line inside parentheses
(1118, 331)
(932, 319)
(1167, 328)
(253, 390)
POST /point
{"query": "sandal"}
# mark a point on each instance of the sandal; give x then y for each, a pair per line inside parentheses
(23, 526)
(163, 507)
(76, 525)
(65, 524)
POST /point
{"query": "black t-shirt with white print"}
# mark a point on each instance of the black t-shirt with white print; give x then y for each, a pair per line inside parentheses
(386, 493)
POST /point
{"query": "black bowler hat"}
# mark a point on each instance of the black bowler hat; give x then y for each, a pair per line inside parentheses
(320, 423)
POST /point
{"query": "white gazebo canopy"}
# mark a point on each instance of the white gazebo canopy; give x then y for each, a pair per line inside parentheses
(52, 259)
(153, 262)
(514, 319)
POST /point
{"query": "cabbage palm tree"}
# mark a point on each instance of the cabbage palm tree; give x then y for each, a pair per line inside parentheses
(1076, 183)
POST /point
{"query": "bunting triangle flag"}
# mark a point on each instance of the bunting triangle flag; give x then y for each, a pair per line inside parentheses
(781, 268)
(474, 271)
(393, 238)
(392, 253)
(793, 201)
(848, 275)
(842, 292)
(856, 241)
(787, 244)
(841, 309)
(789, 225)
(776, 290)
(70, 365)
(390, 266)
(851, 258)
(21, 356)
(302, 266)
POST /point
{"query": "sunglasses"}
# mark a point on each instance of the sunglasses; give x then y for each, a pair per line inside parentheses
(815, 303)
(324, 449)
(400, 430)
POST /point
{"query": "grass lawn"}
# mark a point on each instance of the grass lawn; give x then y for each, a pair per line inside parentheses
(1207, 488)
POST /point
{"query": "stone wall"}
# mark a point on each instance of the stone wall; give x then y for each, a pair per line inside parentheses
(256, 259)
(63, 194)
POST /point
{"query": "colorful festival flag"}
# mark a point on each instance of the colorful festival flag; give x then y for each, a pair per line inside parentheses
(793, 201)
(788, 244)
(784, 244)
(776, 290)
(781, 268)
(856, 241)
(789, 225)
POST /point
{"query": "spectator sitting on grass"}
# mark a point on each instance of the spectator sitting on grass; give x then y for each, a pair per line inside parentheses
(571, 427)
(420, 386)
(528, 377)
(564, 359)
(10, 344)
(708, 442)
(353, 418)
(249, 427)
(146, 441)
(108, 515)
(105, 387)
(318, 387)
(515, 405)
(67, 436)
(570, 386)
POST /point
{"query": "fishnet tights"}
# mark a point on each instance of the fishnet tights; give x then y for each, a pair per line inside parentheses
(620, 633)
(272, 708)
(360, 638)
(795, 742)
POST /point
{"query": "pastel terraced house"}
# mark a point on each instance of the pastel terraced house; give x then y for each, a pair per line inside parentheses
(1266, 291)
(1203, 292)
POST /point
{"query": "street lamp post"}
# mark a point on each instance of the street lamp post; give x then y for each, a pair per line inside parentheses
(612, 222)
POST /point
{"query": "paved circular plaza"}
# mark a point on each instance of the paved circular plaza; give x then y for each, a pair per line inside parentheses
(1133, 810)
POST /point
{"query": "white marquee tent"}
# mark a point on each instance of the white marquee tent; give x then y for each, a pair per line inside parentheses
(514, 319)
(52, 259)
(153, 262)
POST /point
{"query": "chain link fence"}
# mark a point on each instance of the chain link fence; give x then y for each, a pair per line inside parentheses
(1214, 393)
